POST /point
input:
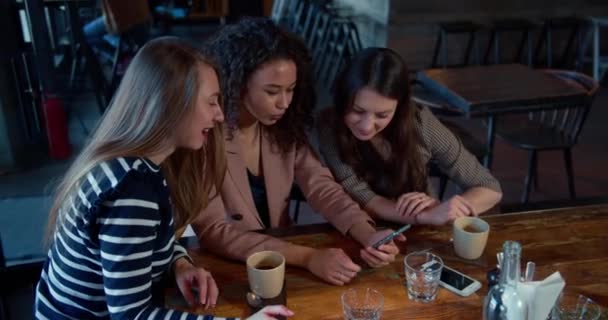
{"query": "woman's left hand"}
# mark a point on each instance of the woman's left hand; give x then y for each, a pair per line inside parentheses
(385, 254)
(189, 277)
(413, 203)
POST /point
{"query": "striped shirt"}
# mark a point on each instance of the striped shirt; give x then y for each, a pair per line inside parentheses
(439, 145)
(115, 240)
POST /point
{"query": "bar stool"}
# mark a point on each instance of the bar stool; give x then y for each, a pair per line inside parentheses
(455, 28)
(522, 26)
(570, 57)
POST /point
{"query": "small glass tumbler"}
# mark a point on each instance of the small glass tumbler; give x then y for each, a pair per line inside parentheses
(574, 306)
(362, 304)
(422, 274)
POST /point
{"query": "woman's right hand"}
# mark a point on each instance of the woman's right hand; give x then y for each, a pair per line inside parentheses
(271, 312)
(333, 266)
(447, 212)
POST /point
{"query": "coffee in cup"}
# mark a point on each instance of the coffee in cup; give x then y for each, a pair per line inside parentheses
(266, 273)
(470, 237)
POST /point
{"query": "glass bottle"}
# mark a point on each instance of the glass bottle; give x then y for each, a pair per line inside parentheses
(502, 301)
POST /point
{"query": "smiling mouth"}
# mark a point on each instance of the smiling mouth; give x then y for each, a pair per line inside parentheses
(365, 134)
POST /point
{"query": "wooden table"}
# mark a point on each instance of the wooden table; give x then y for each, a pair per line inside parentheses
(572, 241)
(487, 91)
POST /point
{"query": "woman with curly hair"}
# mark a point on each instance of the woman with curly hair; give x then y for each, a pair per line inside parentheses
(378, 145)
(269, 97)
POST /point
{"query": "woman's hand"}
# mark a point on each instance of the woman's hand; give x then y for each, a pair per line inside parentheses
(413, 203)
(448, 211)
(385, 254)
(333, 266)
(271, 312)
(190, 278)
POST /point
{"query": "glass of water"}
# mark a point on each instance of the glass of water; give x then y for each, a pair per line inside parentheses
(422, 274)
(574, 306)
(362, 304)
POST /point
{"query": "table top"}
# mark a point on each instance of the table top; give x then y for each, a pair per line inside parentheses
(494, 89)
(572, 241)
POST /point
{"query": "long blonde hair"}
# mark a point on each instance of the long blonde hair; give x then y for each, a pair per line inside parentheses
(158, 90)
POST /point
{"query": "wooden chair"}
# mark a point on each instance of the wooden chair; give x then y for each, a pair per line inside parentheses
(556, 129)
(471, 55)
(570, 56)
(523, 27)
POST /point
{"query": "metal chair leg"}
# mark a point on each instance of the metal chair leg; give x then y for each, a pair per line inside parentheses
(535, 178)
(437, 51)
(471, 48)
(115, 61)
(531, 173)
(569, 172)
(491, 44)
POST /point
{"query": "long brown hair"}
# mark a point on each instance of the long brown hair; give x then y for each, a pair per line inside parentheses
(383, 71)
(158, 91)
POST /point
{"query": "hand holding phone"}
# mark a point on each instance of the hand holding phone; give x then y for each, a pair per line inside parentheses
(391, 236)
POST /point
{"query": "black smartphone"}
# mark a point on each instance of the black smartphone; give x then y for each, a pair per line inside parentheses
(391, 236)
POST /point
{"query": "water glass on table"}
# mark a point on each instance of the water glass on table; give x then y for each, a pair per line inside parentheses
(362, 304)
(574, 306)
(422, 274)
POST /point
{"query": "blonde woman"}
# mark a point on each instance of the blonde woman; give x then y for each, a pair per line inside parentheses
(111, 228)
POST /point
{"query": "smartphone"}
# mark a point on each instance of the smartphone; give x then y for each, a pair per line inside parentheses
(391, 236)
(457, 282)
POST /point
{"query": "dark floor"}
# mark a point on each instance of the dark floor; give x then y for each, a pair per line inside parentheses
(24, 202)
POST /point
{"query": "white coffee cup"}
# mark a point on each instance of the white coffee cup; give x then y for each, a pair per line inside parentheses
(470, 237)
(266, 273)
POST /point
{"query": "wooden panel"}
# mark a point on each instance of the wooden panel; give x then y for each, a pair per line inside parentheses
(573, 241)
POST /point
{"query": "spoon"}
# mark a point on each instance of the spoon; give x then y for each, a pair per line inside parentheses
(253, 300)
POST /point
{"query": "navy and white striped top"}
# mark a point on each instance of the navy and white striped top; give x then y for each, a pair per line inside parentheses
(116, 239)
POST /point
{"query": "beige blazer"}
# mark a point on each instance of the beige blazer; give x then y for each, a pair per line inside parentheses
(225, 226)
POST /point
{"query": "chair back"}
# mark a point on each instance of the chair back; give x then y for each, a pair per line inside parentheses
(569, 120)
(121, 15)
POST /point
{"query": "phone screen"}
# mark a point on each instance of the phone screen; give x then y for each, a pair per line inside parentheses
(454, 279)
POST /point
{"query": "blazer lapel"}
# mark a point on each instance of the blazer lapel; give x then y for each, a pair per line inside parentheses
(238, 173)
(277, 179)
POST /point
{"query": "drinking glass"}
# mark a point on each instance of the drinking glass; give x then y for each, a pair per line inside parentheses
(422, 274)
(362, 304)
(574, 306)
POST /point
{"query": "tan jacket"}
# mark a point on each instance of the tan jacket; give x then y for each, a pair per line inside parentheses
(225, 226)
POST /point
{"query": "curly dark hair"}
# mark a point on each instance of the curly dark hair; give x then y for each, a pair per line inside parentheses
(384, 71)
(239, 50)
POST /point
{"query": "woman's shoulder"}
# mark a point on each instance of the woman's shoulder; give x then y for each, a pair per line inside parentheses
(425, 121)
(119, 174)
